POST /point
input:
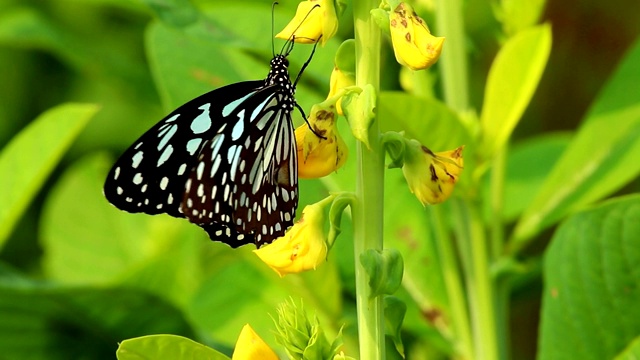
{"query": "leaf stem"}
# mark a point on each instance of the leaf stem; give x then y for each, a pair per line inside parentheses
(368, 210)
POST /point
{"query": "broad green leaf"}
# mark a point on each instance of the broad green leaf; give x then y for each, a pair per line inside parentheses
(27, 161)
(27, 28)
(182, 61)
(88, 241)
(631, 352)
(512, 80)
(592, 283)
(425, 119)
(602, 157)
(527, 167)
(43, 321)
(178, 13)
(223, 310)
(166, 347)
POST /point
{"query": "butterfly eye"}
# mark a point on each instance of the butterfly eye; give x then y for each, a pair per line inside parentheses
(285, 62)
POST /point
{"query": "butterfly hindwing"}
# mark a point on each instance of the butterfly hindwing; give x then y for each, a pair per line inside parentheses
(150, 176)
(244, 172)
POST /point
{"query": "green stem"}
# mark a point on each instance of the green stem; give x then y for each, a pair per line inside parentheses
(453, 284)
(501, 285)
(453, 67)
(482, 308)
(497, 200)
(453, 61)
(368, 212)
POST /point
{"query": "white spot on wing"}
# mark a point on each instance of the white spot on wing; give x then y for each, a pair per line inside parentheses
(193, 145)
(137, 178)
(202, 122)
(164, 182)
(165, 155)
(136, 159)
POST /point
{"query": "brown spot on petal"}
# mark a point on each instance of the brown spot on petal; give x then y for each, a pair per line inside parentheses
(432, 169)
(427, 150)
(394, 23)
(457, 153)
(324, 115)
(404, 22)
(408, 37)
(319, 132)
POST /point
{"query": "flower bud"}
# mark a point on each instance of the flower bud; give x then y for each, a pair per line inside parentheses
(431, 176)
(313, 19)
(413, 44)
(318, 157)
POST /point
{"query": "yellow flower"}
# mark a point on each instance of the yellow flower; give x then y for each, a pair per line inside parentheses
(250, 346)
(431, 176)
(339, 80)
(413, 44)
(318, 157)
(303, 247)
(314, 18)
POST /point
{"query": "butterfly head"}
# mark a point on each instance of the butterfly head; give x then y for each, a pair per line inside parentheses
(279, 75)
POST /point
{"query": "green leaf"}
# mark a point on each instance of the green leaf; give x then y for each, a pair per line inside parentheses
(256, 293)
(177, 13)
(631, 352)
(166, 347)
(92, 242)
(425, 119)
(512, 80)
(601, 158)
(592, 283)
(27, 161)
(384, 270)
(394, 312)
(42, 321)
(187, 73)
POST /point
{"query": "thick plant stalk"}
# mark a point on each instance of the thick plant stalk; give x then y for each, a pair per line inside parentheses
(368, 210)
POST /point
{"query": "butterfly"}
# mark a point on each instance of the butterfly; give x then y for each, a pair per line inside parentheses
(226, 161)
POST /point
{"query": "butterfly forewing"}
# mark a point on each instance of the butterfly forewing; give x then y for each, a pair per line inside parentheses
(150, 176)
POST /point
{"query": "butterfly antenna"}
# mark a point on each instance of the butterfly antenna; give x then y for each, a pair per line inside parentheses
(291, 39)
(273, 11)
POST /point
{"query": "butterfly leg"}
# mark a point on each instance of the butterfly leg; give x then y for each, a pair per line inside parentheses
(307, 121)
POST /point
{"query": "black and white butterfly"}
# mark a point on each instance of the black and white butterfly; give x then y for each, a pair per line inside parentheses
(227, 161)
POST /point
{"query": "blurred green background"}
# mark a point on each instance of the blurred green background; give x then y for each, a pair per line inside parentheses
(79, 276)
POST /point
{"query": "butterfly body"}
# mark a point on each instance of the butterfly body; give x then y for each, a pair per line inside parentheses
(226, 161)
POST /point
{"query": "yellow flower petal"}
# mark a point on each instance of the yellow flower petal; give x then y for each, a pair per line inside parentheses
(432, 176)
(250, 346)
(413, 44)
(318, 157)
(314, 18)
(302, 248)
